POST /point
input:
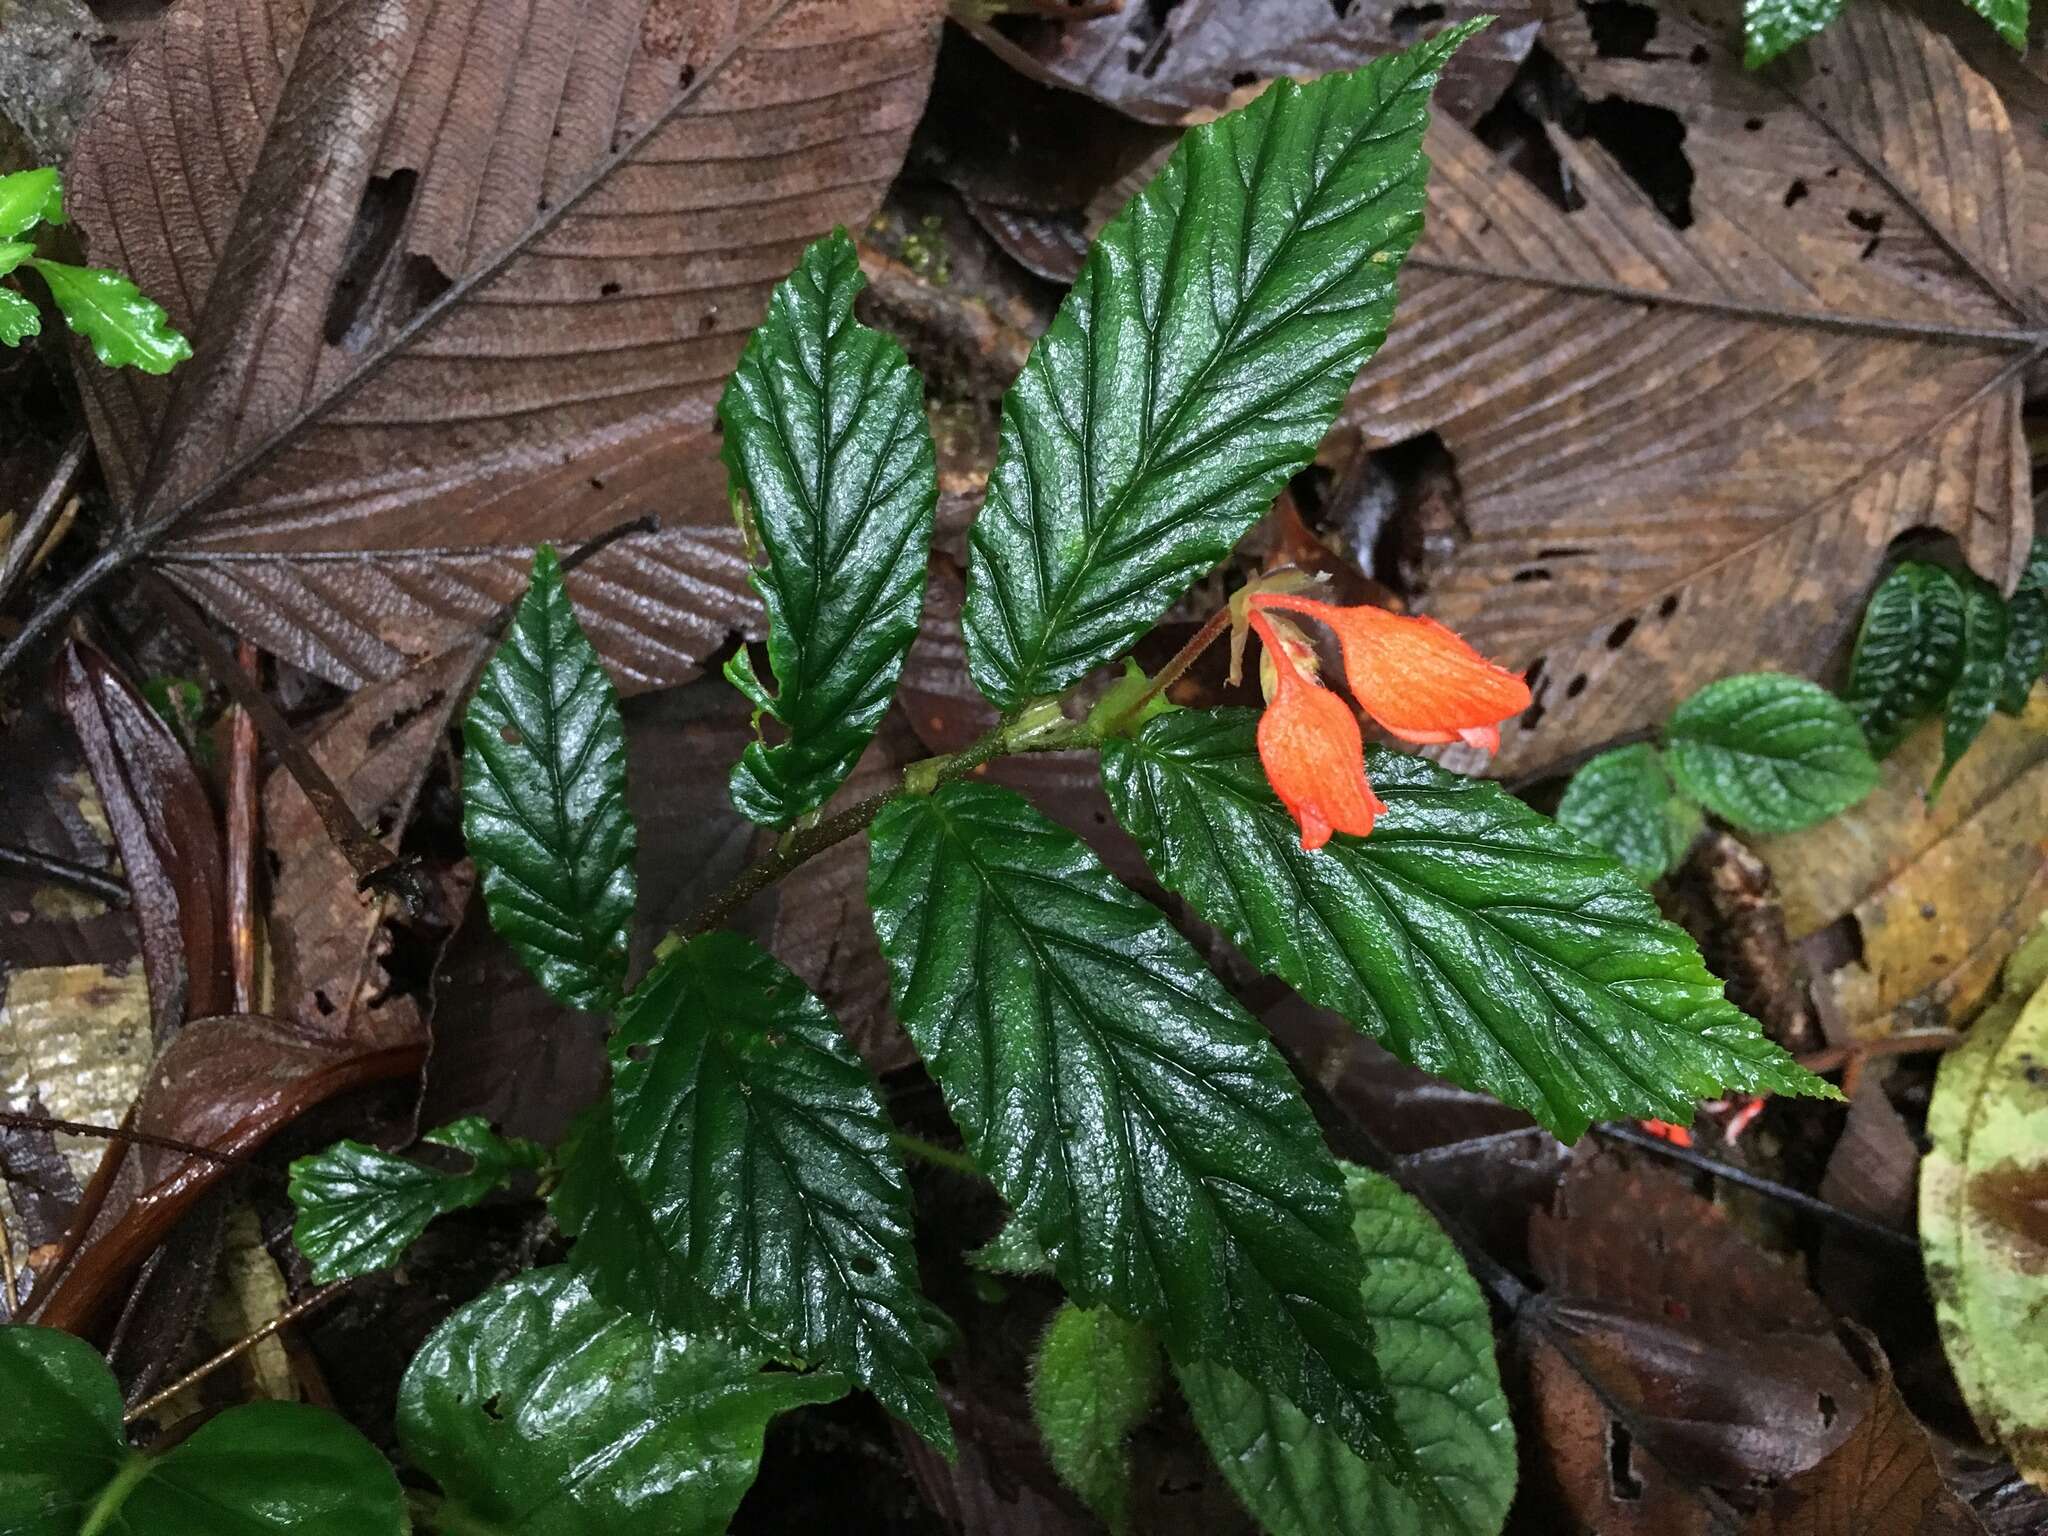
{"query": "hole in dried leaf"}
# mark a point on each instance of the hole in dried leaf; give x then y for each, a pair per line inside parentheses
(1621, 29)
(1617, 637)
(1701, 56)
(1242, 78)
(380, 222)
(1513, 127)
(1408, 21)
(1828, 1410)
(1648, 142)
(1575, 687)
(1533, 573)
(606, 290)
(1795, 193)
(1341, 7)
(322, 1002)
(1668, 607)
(1423, 527)
(1621, 1454)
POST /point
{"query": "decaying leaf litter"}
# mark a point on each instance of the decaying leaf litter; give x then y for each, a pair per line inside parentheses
(1684, 355)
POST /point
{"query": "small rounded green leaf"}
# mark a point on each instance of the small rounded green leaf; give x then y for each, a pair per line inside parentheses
(1095, 1379)
(359, 1209)
(126, 327)
(1908, 652)
(1434, 1341)
(541, 1411)
(29, 198)
(544, 799)
(60, 1431)
(1625, 802)
(18, 319)
(1769, 753)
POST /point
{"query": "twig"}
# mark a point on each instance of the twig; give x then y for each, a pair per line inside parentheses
(1785, 1194)
(938, 1156)
(646, 523)
(243, 817)
(19, 558)
(20, 1121)
(81, 877)
(1836, 1057)
(236, 1350)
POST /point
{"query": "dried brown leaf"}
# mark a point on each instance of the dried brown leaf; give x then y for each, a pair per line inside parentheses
(460, 279)
(1186, 62)
(1683, 451)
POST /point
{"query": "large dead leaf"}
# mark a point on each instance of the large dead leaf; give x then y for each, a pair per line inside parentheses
(460, 279)
(1181, 62)
(1937, 895)
(1684, 450)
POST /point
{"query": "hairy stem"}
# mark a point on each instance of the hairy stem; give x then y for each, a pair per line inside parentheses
(236, 1350)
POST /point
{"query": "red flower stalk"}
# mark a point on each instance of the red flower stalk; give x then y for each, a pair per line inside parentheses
(1417, 679)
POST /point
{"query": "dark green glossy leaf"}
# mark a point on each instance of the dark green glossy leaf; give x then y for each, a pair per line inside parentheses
(360, 1208)
(1908, 653)
(60, 1433)
(2008, 16)
(1137, 1121)
(1434, 1340)
(1469, 935)
(1198, 361)
(19, 319)
(544, 799)
(1769, 753)
(825, 433)
(29, 198)
(1094, 1380)
(257, 1470)
(2026, 650)
(752, 1135)
(541, 1411)
(1979, 679)
(1624, 801)
(1769, 27)
(126, 327)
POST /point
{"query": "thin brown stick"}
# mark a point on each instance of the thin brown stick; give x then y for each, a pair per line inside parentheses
(1835, 1057)
(243, 818)
(29, 538)
(81, 877)
(20, 1121)
(1176, 667)
(236, 1350)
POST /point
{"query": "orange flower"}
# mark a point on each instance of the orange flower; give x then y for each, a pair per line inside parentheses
(1417, 679)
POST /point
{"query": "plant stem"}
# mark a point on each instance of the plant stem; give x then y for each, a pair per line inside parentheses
(28, 538)
(1037, 729)
(107, 1507)
(45, 621)
(1175, 668)
(15, 1119)
(81, 877)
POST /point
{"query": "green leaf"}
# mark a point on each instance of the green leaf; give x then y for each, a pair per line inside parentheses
(1095, 1380)
(1434, 1340)
(1200, 357)
(1624, 801)
(1980, 1204)
(1132, 1115)
(543, 1412)
(1469, 935)
(1769, 753)
(752, 1135)
(1979, 679)
(1769, 27)
(544, 799)
(825, 434)
(1908, 653)
(29, 198)
(127, 328)
(18, 319)
(60, 1437)
(13, 253)
(2026, 650)
(359, 1208)
(1012, 1251)
(2008, 16)
(256, 1470)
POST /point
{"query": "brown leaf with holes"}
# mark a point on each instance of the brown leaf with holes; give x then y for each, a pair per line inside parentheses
(1684, 450)
(1881, 1481)
(1189, 61)
(460, 279)
(1932, 898)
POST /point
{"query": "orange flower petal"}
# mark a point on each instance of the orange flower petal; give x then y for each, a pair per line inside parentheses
(1415, 677)
(1314, 757)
